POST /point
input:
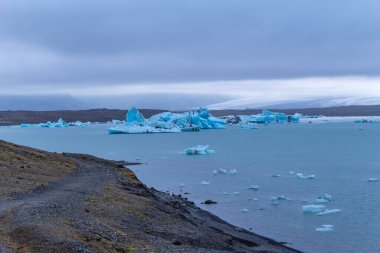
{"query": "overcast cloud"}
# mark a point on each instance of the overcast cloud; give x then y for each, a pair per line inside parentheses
(115, 47)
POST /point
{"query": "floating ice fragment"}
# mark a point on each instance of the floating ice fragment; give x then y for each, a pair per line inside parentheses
(329, 211)
(291, 172)
(199, 150)
(372, 180)
(244, 210)
(276, 175)
(280, 198)
(219, 171)
(254, 187)
(233, 171)
(223, 171)
(300, 175)
(205, 182)
(230, 193)
(326, 198)
(312, 209)
(325, 228)
(245, 126)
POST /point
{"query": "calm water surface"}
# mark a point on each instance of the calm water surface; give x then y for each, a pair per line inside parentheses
(341, 157)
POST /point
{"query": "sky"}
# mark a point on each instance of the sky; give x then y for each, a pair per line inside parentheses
(186, 53)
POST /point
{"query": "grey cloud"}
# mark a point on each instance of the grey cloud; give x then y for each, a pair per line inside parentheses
(98, 42)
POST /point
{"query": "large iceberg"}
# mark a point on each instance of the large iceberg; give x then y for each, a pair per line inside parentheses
(268, 117)
(168, 122)
(191, 120)
(59, 124)
(137, 124)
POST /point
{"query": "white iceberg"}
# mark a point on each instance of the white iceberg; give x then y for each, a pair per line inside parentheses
(319, 210)
(199, 150)
(325, 228)
(230, 193)
(247, 126)
(300, 175)
(313, 209)
(329, 211)
(324, 199)
(254, 187)
(205, 182)
(221, 171)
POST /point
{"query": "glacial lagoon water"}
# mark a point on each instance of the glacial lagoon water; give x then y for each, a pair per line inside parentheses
(342, 156)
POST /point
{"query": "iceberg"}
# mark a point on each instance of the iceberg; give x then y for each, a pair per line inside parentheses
(205, 182)
(223, 171)
(268, 117)
(189, 121)
(325, 228)
(59, 124)
(134, 116)
(247, 126)
(372, 180)
(326, 198)
(254, 187)
(300, 175)
(313, 209)
(329, 211)
(137, 124)
(199, 150)
(319, 210)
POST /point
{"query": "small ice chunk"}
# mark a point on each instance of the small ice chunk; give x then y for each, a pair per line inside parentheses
(329, 211)
(291, 172)
(199, 150)
(326, 198)
(230, 193)
(219, 171)
(325, 228)
(372, 180)
(223, 171)
(282, 197)
(244, 210)
(312, 209)
(276, 175)
(300, 175)
(254, 187)
(233, 171)
(205, 182)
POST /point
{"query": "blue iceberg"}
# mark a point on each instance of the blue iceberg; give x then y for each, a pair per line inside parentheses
(137, 124)
(59, 124)
(189, 121)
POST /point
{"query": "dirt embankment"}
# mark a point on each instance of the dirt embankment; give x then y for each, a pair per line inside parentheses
(79, 203)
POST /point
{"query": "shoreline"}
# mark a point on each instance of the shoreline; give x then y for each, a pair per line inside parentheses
(103, 115)
(98, 205)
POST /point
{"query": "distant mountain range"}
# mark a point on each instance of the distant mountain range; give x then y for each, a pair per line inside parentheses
(177, 102)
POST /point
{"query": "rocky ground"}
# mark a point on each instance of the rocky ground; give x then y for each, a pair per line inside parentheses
(79, 203)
